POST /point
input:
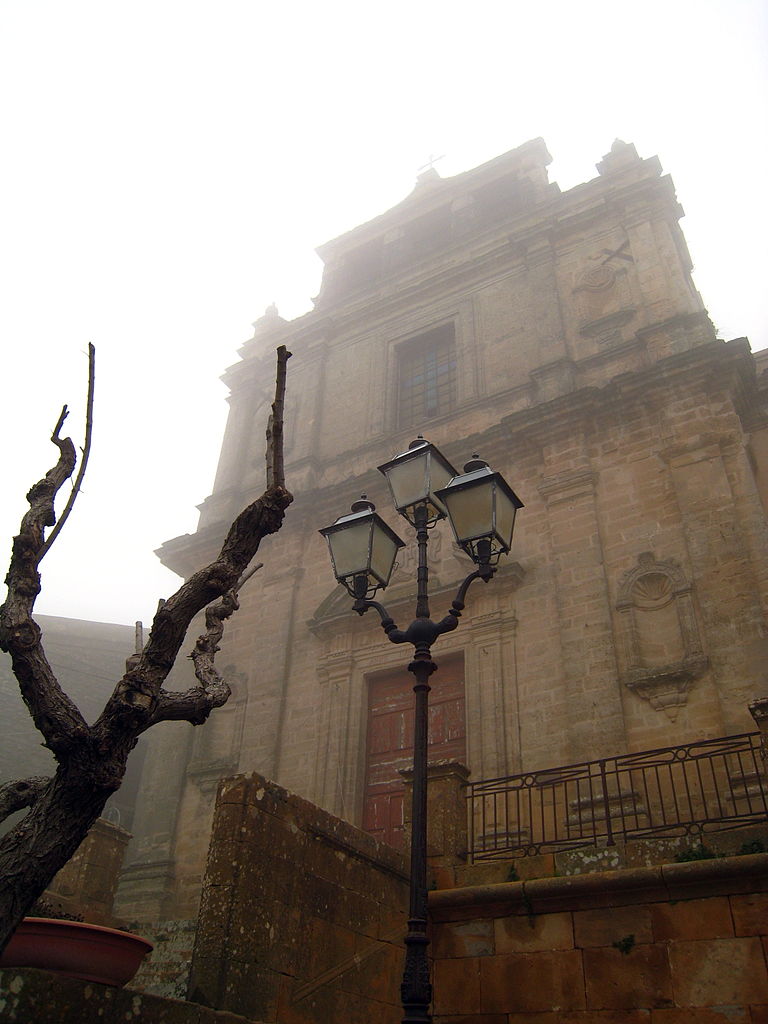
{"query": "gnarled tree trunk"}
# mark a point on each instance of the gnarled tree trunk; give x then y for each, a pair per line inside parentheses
(91, 760)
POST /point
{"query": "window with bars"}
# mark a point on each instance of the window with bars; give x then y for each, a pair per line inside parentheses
(427, 376)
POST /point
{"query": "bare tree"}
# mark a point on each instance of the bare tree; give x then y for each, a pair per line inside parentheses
(91, 759)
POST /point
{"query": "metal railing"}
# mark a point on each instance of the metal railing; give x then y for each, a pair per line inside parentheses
(691, 790)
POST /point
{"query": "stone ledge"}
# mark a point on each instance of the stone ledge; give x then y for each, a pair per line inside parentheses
(604, 888)
(254, 790)
(29, 995)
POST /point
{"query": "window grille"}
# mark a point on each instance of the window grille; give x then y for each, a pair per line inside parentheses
(427, 376)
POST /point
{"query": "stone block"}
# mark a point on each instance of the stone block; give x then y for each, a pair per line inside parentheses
(601, 889)
(250, 990)
(224, 860)
(541, 865)
(750, 914)
(474, 1018)
(295, 1008)
(533, 933)
(711, 877)
(704, 1015)
(583, 1017)
(637, 979)
(352, 1009)
(329, 947)
(609, 925)
(463, 938)
(527, 982)
(718, 972)
(235, 790)
(457, 986)
(484, 873)
(692, 919)
(442, 877)
(375, 972)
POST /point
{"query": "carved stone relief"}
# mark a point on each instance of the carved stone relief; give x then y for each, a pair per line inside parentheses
(661, 641)
(603, 296)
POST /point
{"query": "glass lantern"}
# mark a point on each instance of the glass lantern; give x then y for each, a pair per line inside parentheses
(363, 549)
(481, 507)
(415, 476)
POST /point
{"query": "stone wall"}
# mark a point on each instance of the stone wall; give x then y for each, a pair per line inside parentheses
(302, 915)
(165, 971)
(675, 944)
(34, 997)
(298, 925)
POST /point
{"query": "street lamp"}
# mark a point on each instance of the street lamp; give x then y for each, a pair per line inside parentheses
(481, 508)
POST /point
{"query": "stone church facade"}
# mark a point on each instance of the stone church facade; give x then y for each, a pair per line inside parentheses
(560, 336)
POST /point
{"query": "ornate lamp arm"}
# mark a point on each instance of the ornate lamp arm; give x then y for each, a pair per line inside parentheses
(451, 620)
(397, 636)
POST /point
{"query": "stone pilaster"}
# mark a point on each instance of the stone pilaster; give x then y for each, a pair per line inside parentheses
(594, 715)
(491, 688)
(544, 299)
(333, 788)
(721, 570)
(446, 812)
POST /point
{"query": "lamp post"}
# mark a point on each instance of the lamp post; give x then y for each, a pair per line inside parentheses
(481, 508)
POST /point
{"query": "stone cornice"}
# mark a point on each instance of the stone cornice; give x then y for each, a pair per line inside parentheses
(716, 362)
(604, 888)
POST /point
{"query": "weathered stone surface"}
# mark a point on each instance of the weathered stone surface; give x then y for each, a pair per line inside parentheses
(457, 987)
(165, 971)
(692, 919)
(299, 913)
(533, 932)
(716, 972)
(750, 914)
(705, 1015)
(610, 925)
(636, 979)
(32, 997)
(530, 982)
(464, 938)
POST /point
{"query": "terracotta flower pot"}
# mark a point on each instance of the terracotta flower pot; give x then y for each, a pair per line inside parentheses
(75, 949)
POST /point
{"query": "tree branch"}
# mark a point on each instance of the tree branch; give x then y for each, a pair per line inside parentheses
(83, 462)
(138, 696)
(274, 456)
(54, 714)
(24, 793)
(196, 704)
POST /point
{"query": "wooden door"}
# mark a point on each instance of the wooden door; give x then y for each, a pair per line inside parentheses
(390, 740)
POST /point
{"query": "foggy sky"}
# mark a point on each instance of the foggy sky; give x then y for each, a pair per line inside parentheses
(170, 166)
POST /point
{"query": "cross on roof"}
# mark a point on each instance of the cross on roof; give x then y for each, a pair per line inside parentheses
(429, 165)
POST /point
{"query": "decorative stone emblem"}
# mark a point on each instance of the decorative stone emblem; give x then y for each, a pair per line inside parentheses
(662, 646)
(603, 296)
(597, 277)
